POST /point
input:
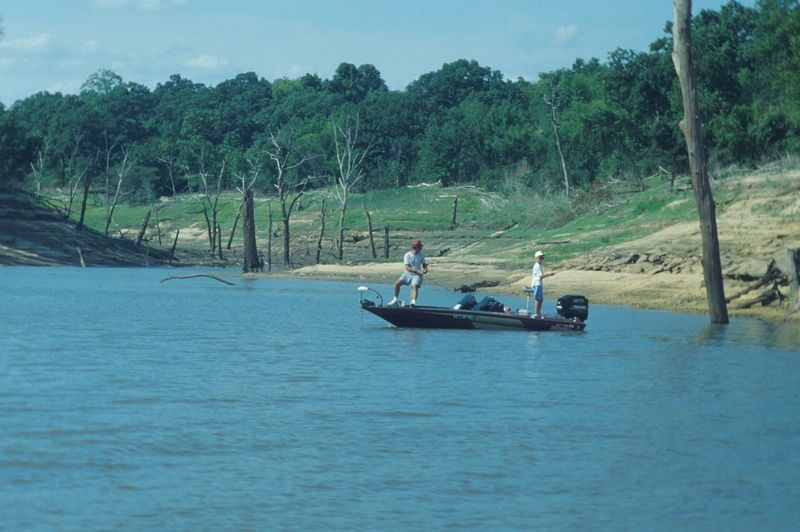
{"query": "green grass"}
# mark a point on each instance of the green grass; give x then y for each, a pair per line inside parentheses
(592, 219)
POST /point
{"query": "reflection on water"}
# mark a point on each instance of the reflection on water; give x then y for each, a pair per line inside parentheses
(278, 404)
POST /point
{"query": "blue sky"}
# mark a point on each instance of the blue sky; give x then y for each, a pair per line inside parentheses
(54, 45)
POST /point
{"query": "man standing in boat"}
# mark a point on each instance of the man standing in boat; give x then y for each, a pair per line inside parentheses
(416, 266)
(536, 282)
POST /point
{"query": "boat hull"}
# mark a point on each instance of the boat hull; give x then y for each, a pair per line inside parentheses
(447, 318)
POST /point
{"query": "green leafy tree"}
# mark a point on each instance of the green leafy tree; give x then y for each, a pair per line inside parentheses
(16, 150)
(774, 54)
(354, 83)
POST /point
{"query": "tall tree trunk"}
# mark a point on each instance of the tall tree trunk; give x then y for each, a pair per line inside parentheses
(235, 223)
(251, 262)
(454, 213)
(208, 229)
(219, 242)
(321, 228)
(86, 186)
(158, 224)
(174, 245)
(269, 239)
(691, 127)
(143, 230)
(287, 257)
(792, 261)
(552, 101)
(342, 212)
(369, 229)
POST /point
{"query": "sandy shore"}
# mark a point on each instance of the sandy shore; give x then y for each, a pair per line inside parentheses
(683, 292)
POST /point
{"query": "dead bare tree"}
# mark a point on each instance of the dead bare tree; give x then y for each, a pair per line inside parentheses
(39, 166)
(173, 164)
(322, 210)
(454, 213)
(553, 101)
(349, 158)
(269, 237)
(121, 172)
(87, 183)
(247, 178)
(792, 258)
(210, 194)
(143, 230)
(174, 245)
(235, 223)
(251, 259)
(75, 167)
(283, 154)
(108, 157)
(369, 230)
(691, 127)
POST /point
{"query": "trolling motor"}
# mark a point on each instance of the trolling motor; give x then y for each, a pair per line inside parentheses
(368, 302)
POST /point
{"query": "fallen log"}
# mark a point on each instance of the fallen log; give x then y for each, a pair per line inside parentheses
(767, 298)
(773, 274)
(191, 276)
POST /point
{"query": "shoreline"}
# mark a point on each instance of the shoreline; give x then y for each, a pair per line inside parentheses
(681, 292)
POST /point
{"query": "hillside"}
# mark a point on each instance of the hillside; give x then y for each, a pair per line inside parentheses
(34, 233)
(617, 246)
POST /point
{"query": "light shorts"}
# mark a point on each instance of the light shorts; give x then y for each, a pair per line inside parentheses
(537, 293)
(411, 278)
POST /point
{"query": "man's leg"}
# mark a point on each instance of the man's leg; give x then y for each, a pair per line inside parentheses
(539, 297)
(397, 286)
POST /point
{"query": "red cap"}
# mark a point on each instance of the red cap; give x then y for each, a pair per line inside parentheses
(416, 244)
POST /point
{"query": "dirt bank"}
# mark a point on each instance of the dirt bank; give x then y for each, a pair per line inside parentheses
(31, 233)
(663, 270)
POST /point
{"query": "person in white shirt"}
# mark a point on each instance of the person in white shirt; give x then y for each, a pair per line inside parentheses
(416, 267)
(536, 282)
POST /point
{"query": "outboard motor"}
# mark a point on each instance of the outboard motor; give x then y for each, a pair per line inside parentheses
(573, 307)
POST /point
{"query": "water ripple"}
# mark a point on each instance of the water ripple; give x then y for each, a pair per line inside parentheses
(180, 407)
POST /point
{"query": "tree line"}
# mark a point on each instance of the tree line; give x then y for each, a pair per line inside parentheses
(463, 123)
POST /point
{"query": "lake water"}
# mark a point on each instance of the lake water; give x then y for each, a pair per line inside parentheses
(277, 404)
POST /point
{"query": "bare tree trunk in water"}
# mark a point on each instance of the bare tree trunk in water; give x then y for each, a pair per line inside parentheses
(691, 127)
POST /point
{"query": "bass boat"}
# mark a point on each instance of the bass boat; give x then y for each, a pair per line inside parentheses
(573, 311)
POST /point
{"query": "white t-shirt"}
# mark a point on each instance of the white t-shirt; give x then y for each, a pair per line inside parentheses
(536, 276)
(415, 260)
